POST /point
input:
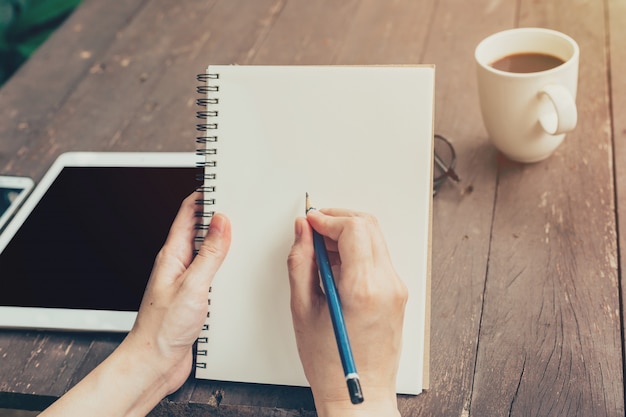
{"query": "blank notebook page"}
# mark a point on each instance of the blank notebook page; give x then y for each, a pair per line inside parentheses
(352, 137)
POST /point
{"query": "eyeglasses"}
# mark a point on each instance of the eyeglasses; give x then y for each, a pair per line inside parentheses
(445, 161)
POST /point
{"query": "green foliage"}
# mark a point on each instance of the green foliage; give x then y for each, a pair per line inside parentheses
(26, 24)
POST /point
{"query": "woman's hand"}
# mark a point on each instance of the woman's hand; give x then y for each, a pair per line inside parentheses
(373, 299)
(155, 358)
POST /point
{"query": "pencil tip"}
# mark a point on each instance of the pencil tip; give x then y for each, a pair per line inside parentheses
(307, 203)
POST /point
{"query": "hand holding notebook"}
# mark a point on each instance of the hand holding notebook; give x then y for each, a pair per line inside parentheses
(155, 358)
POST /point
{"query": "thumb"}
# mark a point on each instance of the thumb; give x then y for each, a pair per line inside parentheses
(211, 254)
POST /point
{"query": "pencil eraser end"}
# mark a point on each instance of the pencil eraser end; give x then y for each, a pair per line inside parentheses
(354, 388)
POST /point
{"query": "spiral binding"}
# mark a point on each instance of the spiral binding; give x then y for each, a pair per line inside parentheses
(207, 141)
(207, 150)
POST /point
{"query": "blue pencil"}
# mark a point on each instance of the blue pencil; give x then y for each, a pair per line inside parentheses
(336, 315)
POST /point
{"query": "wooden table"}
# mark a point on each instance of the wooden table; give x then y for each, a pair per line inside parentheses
(527, 314)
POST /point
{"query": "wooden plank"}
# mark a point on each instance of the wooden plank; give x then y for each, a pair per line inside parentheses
(617, 53)
(142, 87)
(43, 362)
(40, 88)
(550, 339)
(306, 33)
(391, 33)
(463, 212)
(116, 91)
(163, 71)
(219, 398)
(224, 33)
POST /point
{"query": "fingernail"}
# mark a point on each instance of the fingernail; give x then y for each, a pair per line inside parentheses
(313, 212)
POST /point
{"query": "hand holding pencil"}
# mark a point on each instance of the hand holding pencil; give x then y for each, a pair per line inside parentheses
(372, 298)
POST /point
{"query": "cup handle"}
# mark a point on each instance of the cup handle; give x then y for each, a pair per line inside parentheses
(561, 116)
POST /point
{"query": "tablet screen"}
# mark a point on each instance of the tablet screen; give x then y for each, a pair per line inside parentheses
(91, 240)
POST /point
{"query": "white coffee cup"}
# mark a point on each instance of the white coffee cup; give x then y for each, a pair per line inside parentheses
(527, 114)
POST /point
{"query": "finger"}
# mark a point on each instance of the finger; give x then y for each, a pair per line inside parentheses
(179, 241)
(331, 245)
(341, 212)
(303, 277)
(211, 254)
(352, 234)
(368, 223)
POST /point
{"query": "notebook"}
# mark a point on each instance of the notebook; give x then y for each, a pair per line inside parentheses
(358, 137)
(78, 253)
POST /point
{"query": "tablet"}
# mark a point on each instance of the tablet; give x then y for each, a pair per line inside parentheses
(78, 254)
